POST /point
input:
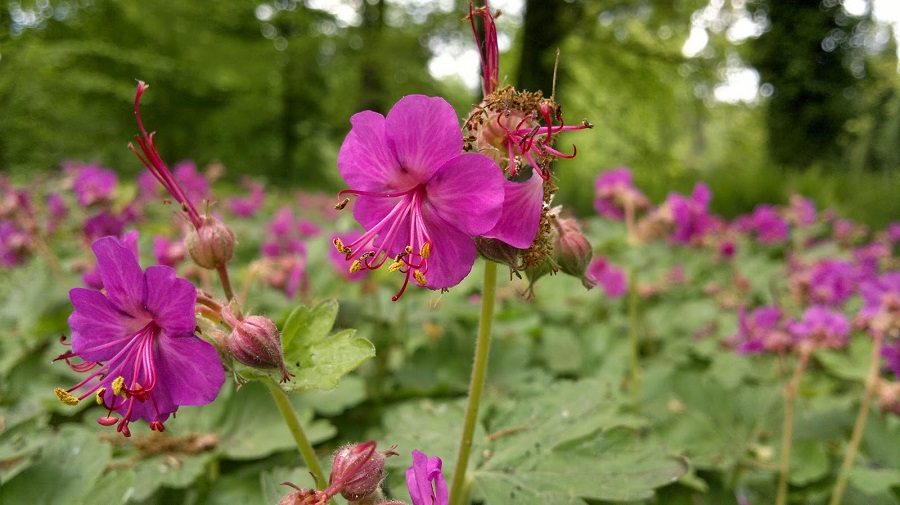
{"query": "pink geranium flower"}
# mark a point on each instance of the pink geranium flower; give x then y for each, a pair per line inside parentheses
(425, 481)
(137, 340)
(420, 200)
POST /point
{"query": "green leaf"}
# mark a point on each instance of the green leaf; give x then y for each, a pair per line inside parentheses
(68, 466)
(852, 363)
(317, 360)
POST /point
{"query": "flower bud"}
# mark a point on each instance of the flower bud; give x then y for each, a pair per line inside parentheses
(357, 470)
(212, 245)
(498, 251)
(255, 342)
(571, 250)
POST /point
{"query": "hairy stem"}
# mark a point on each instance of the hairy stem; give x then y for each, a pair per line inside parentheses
(635, 379)
(476, 386)
(296, 429)
(861, 419)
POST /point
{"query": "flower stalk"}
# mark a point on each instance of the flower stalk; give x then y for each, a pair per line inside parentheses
(861, 418)
(296, 429)
(787, 430)
(476, 386)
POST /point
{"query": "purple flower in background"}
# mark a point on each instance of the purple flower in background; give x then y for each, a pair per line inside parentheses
(195, 186)
(102, 225)
(419, 199)
(770, 228)
(802, 211)
(168, 252)
(148, 188)
(56, 207)
(93, 184)
(246, 206)
(284, 235)
(610, 278)
(891, 354)
(832, 282)
(137, 340)
(821, 327)
(13, 244)
(690, 215)
(614, 191)
(893, 232)
(761, 331)
(881, 302)
(425, 481)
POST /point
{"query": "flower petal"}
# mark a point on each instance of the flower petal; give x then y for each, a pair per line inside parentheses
(170, 300)
(369, 211)
(521, 215)
(122, 277)
(452, 254)
(417, 482)
(96, 324)
(366, 161)
(189, 370)
(423, 133)
(468, 192)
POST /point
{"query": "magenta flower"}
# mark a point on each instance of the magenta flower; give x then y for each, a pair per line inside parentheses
(881, 303)
(832, 282)
(168, 252)
(821, 327)
(425, 481)
(246, 206)
(614, 191)
(802, 211)
(770, 228)
(14, 244)
(93, 184)
(761, 331)
(420, 200)
(103, 224)
(195, 186)
(610, 278)
(137, 340)
(690, 215)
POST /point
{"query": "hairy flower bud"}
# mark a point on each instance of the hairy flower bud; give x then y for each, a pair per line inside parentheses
(498, 251)
(357, 470)
(255, 342)
(211, 245)
(571, 249)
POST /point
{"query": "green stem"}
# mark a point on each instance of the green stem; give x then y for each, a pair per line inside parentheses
(476, 386)
(633, 334)
(303, 445)
(861, 419)
(787, 431)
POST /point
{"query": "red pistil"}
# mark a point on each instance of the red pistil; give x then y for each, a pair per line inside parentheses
(157, 166)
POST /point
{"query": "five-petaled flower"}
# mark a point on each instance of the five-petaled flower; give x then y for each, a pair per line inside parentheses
(425, 481)
(420, 199)
(137, 339)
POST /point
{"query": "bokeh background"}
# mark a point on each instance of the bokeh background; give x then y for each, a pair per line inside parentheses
(759, 98)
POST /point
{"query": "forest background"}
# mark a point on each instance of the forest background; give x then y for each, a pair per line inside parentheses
(267, 88)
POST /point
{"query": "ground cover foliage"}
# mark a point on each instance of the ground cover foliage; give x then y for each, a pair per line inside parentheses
(657, 386)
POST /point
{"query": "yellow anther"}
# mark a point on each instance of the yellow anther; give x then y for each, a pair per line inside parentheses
(397, 265)
(419, 277)
(356, 266)
(339, 245)
(65, 397)
(408, 249)
(118, 385)
(426, 250)
(343, 203)
(100, 393)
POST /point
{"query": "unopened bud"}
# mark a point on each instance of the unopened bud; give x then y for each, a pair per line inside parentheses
(571, 250)
(498, 251)
(255, 342)
(212, 245)
(357, 470)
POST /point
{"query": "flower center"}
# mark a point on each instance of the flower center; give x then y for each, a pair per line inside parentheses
(400, 235)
